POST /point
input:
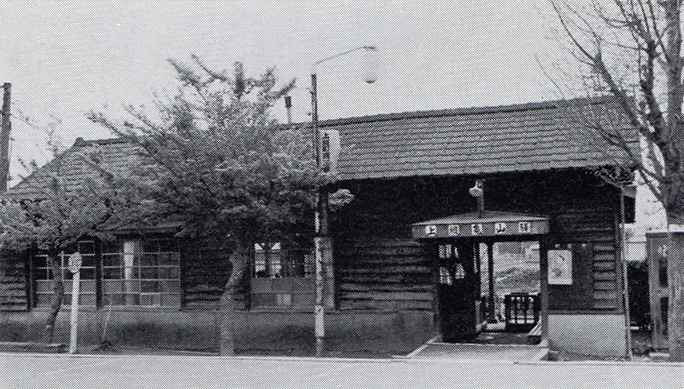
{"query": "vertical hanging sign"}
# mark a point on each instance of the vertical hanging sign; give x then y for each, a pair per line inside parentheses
(330, 147)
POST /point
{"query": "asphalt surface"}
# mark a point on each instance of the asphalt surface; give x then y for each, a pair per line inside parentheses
(64, 371)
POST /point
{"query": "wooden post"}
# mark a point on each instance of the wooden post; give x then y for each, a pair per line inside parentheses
(75, 291)
(490, 268)
(5, 136)
(544, 274)
(430, 251)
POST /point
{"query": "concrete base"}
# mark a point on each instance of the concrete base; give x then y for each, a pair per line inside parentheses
(33, 347)
(154, 328)
(589, 334)
(347, 331)
(259, 331)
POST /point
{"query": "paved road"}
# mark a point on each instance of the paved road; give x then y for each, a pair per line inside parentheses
(63, 371)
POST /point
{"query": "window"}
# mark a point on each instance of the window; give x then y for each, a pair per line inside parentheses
(272, 261)
(445, 276)
(133, 272)
(459, 272)
(662, 266)
(43, 275)
(267, 260)
(282, 276)
(145, 273)
(451, 268)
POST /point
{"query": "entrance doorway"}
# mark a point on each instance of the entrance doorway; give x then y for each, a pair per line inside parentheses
(488, 292)
(459, 300)
(510, 280)
(488, 274)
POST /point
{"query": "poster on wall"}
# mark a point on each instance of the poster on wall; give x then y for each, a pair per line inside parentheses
(560, 267)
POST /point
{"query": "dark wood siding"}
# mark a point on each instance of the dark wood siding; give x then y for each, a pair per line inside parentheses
(13, 282)
(581, 207)
(384, 274)
(595, 275)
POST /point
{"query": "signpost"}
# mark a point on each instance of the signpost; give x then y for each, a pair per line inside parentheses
(75, 261)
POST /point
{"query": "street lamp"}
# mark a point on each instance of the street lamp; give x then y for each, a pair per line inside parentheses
(321, 210)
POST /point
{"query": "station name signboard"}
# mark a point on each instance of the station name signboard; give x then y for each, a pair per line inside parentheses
(444, 228)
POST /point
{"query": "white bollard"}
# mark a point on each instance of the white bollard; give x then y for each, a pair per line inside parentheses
(75, 290)
(75, 261)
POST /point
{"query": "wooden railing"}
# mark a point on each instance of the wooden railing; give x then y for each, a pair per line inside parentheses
(522, 311)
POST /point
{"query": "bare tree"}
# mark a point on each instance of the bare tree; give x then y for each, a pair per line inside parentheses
(631, 50)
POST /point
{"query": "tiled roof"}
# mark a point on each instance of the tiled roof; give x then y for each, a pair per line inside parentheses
(471, 141)
(489, 217)
(447, 142)
(117, 155)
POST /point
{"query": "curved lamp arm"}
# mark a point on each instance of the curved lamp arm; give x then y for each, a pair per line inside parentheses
(314, 95)
(365, 48)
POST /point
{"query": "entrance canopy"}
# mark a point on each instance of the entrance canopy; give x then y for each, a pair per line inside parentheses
(492, 223)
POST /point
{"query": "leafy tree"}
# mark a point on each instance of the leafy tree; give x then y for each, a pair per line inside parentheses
(64, 213)
(223, 165)
(631, 50)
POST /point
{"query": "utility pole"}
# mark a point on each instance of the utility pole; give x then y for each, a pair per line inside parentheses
(5, 136)
(322, 241)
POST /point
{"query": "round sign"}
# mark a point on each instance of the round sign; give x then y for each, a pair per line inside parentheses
(75, 261)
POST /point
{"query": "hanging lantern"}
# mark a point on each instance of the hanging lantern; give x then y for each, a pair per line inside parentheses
(370, 64)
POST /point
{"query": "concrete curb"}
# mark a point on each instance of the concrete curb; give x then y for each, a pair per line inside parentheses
(603, 363)
(421, 348)
(355, 360)
(33, 347)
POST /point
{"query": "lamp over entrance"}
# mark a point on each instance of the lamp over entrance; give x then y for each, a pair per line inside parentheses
(477, 191)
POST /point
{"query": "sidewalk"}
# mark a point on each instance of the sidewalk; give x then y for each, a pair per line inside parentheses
(483, 352)
(89, 371)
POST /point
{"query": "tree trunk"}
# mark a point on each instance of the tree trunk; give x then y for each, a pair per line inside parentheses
(239, 258)
(672, 184)
(675, 315)
(57, 297)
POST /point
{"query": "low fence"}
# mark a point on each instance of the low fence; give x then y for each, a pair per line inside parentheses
(522, 311)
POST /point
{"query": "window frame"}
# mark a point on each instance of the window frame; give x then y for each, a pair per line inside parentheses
(166, 290)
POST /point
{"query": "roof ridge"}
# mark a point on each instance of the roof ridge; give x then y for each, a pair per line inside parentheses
(531, 106)
(59, 157)
(80, 142)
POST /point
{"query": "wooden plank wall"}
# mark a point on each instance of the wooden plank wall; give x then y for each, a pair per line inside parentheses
(599, 286)
(384, 274)
(582, 210)
(13, 290)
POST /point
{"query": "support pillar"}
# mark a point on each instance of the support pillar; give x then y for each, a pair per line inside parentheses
(490, 268)
(544, 274)
(131, 286)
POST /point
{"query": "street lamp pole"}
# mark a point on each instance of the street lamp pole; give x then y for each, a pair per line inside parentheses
(321, 211)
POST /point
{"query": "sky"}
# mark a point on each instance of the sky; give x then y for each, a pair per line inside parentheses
(65, 58)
